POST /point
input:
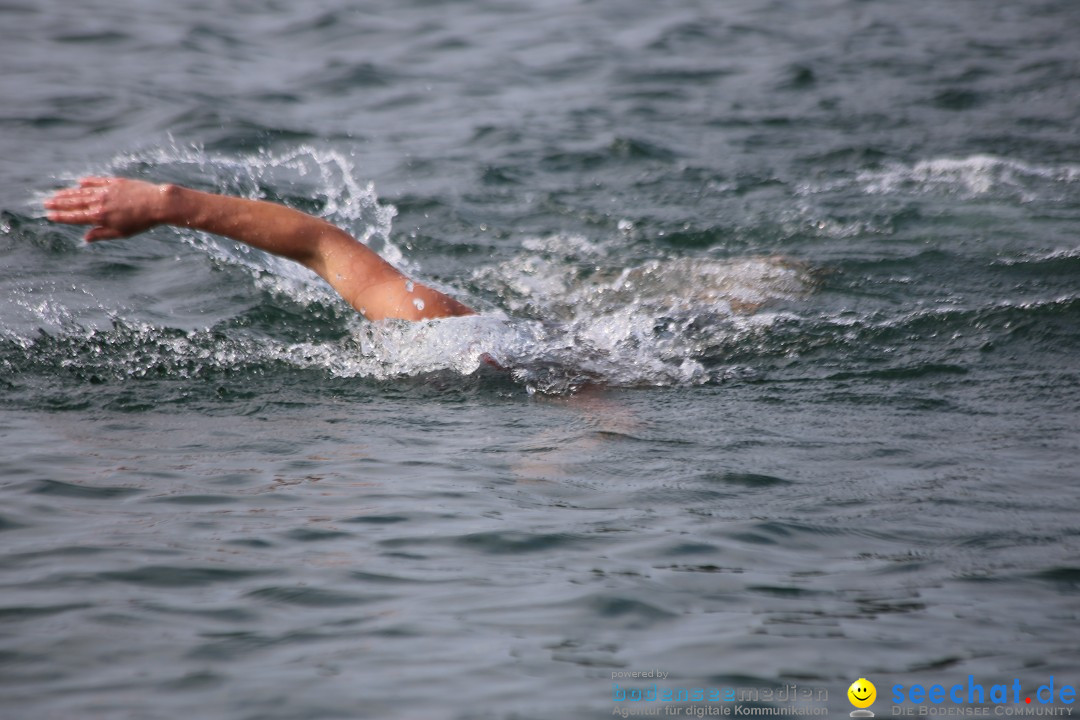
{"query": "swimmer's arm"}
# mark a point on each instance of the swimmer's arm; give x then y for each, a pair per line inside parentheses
(119, 208)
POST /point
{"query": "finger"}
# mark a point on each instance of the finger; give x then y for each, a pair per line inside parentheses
(72, 217)
(100, 233)
(73, 193)
(93, 181)
(69, 201)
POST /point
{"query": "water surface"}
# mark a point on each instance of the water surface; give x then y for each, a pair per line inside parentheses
(788, 291)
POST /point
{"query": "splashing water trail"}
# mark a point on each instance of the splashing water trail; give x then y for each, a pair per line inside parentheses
(575, 311)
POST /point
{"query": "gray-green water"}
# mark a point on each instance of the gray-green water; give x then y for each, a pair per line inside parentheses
(820, 257)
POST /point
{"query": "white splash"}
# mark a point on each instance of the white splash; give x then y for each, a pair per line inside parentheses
(971, 176)
(581, 313)
(646, 324)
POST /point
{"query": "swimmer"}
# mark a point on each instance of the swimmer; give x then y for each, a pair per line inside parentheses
(118, 208)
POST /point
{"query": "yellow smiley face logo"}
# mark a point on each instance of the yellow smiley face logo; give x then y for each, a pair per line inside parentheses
(862, 693)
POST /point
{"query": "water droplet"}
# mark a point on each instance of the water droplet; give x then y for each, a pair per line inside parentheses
(418, 303)
(409, 285)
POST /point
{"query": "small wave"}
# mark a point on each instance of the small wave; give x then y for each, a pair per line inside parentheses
(912, 344)
(971, 176)
(1060, 255)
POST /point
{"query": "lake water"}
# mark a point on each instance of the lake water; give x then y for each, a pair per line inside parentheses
(789, 296)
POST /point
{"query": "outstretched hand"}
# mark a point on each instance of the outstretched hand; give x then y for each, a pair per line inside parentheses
(115, 207)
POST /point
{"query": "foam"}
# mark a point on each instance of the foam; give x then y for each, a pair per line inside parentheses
(648, 324)
(970, 176)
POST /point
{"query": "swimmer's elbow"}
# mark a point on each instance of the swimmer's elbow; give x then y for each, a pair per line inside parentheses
(402, 299)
